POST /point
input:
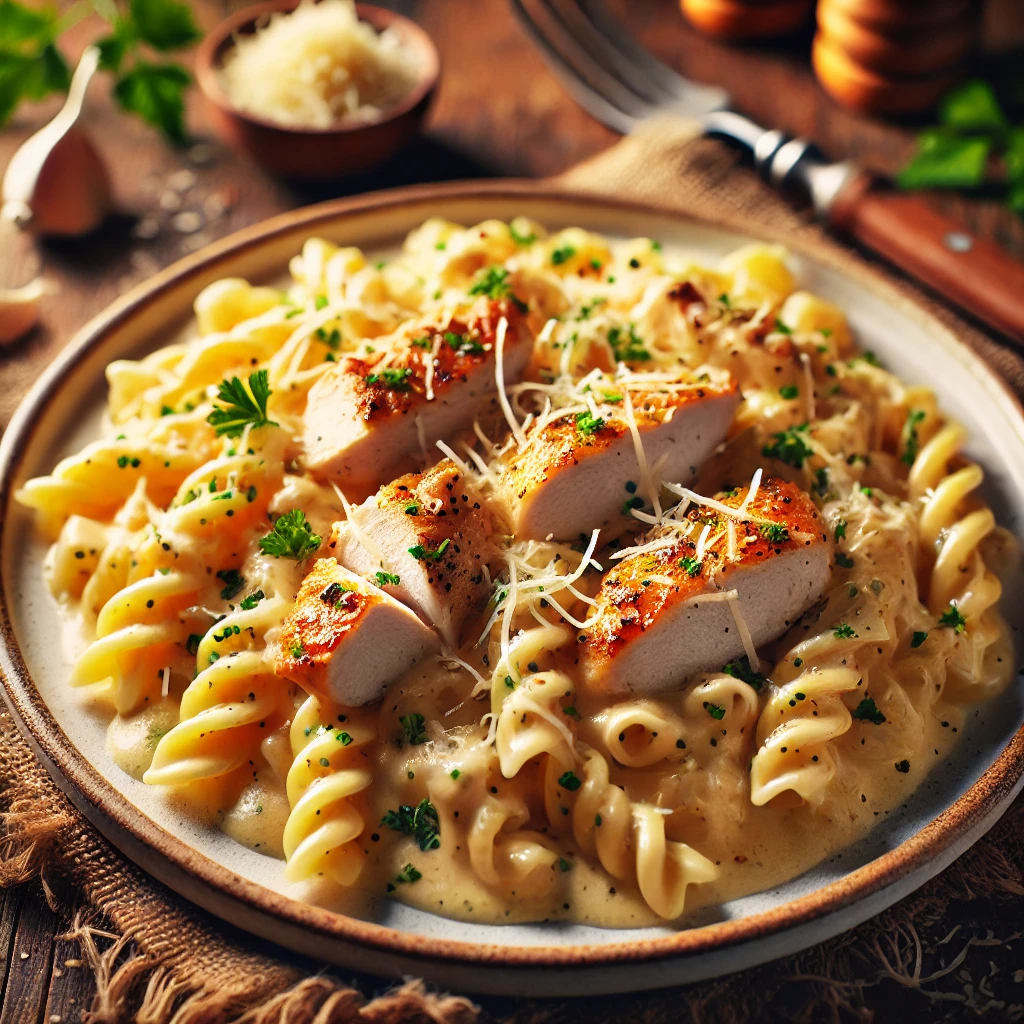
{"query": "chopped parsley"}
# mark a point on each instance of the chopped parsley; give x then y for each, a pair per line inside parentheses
(423, 342)
(193, 642)
(296, 650)
(844, 631)
(918, 638)
(562, 254)
(587, 424)
(631, 503)
(395, 378)
(494, 284)
(244, 405)
(716, 711)
(782, 328)
(420, 822)
(233, 583)
(455, 773)
(867, 711)
(411, 509)
(463, 343)
(840, 530)
(587, 309)
(789, 391)
(388, 579)
(691, 565)
(332, 338)
(952, 619)
(788, 446)
(911, 442)
(126, 460)
(320, 302)
(740, 669)
(408, 874)
(844, 560)
(412, 729)
(519, 238)
(291, 537)
(774, 533)
(627, 346)
(569, 781)
(425, 554)
(564, 865)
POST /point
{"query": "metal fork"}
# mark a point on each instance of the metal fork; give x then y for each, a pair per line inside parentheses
(621, 84)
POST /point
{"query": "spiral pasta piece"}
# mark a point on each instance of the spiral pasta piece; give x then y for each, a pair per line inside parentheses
(231, 706)
(139, 635)
(629, 841)
(801, 719)
(325, 785)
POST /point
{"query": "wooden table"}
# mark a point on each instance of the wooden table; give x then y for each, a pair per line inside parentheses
(526, 127)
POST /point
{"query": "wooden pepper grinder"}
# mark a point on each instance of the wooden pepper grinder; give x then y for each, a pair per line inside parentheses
(893, 57)
(747, 19)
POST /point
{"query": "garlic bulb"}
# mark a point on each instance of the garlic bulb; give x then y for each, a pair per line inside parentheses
(56, 183)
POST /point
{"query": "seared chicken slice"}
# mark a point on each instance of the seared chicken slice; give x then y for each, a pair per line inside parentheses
(662, 613)
(427, 382)
(345, 639)
(572, 476)
(425, 538)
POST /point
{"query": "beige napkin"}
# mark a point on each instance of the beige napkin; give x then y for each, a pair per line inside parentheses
(175, 960)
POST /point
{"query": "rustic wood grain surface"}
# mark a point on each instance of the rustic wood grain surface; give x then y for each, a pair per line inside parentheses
(498, 112)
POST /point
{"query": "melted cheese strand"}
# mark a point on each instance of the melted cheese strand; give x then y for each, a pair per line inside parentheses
(641, 455)
(499, 378)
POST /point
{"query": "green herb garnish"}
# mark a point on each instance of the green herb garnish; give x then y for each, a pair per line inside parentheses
(867, 711)
(421, 823)
(413, 731)
(569, 781)
(740, 669)
(291, 537)
(425, 554)
(952, 619)
(843, 631)
(494, 284)
(244, 405)
(789, 446)
(716, 711)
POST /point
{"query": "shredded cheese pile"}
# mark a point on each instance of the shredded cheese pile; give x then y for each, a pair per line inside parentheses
(317, 65)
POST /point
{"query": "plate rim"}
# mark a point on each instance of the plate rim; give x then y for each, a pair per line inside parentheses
(92, 793)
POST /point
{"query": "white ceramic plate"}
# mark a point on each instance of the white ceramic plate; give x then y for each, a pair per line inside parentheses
(959, 801)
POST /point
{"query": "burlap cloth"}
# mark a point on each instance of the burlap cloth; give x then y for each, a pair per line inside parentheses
(157, 958)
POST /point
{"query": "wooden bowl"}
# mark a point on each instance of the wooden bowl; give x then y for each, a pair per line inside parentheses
(353, 144)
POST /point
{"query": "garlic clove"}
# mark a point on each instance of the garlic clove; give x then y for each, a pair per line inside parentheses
(19, 309)
(56, 183)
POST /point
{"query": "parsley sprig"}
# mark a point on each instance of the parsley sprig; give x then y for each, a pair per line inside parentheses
(244, 405)
(291, 537)
(31, 65)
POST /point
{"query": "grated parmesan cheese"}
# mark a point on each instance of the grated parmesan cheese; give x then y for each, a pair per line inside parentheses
(316, 66)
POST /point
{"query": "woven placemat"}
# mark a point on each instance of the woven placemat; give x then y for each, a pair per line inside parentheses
(157, 958)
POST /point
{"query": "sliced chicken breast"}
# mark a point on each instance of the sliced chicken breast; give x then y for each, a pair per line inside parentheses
(346, 639)
(427, 382)
(663, 612)
(571, 477)
(426, 539)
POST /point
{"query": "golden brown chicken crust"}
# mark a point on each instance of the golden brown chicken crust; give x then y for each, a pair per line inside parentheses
(462, 342)
(630, 601)
(561, 444)
(326, 612)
